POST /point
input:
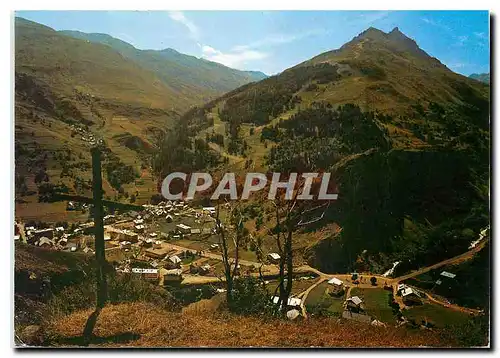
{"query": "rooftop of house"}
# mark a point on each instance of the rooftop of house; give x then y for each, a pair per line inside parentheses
(355, 299)
(335, 281)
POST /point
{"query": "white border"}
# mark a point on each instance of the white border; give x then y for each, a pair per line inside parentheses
(6, 149)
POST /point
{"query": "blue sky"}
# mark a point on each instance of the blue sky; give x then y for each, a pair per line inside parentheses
(271, 41)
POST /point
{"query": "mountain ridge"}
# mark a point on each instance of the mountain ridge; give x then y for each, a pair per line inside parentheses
(189, 74)
(482, 77)
(106, 38)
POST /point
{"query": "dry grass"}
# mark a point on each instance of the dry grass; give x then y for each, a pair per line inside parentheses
(144, 325)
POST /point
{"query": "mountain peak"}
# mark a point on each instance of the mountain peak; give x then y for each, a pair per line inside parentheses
(395, 40)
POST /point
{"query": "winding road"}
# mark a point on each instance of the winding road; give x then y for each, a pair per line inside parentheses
(363, 278)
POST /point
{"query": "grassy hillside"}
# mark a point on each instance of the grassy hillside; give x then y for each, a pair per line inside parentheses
(69, 65)
(55, 290)
(195, 78)
(407, 139)
(71, 94)
(141, 325)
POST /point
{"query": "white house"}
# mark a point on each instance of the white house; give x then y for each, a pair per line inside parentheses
(401, 287)
(209, 210)
(354, 303)
(45, 242)
(335, 281)
(273, 257)
(448, 274)
(175, 259)
(292, 301)
(125, 245)
(407, 291)
(184, 228)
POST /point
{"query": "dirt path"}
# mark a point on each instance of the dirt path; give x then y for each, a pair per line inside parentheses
(303, 295)
(462, 257)
(363, 278)
(453, 306)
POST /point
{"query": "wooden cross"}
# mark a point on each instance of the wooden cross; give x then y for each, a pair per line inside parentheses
(100, 253)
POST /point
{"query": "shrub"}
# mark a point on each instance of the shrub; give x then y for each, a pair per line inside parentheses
(249, 297)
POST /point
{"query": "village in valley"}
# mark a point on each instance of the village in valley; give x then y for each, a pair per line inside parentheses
(173, 244)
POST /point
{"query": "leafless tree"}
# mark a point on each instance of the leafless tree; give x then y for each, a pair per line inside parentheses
(231, 265)
(288, 215)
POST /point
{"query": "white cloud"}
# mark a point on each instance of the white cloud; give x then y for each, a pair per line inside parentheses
(278, 39)
(373, 16)
(458, 65)
(461, 40)
(179, 17)
(437, 24)
(234, 58)
(481, 35)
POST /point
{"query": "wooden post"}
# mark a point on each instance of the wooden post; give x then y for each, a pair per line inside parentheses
(100, 252)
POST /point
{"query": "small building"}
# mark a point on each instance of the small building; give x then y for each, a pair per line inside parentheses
(48, 233)
(125, 245)
(410, 296)
(214, 246)
(131, 236)
(172, 276)
(336, 282)
(400, 288)
(147, 274)
(205, 269)
(354, 304)
(157, 244)
(175, 260)
(59, 230)
(153, 235)
(169, 218)
(184, 228)
(139, 228)
(195, 231)
(273, 257)
(45, 242)
(210, 210)
(292, 301)
(88, 250)
(337, 287)
(448, 274)
(109, 218)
